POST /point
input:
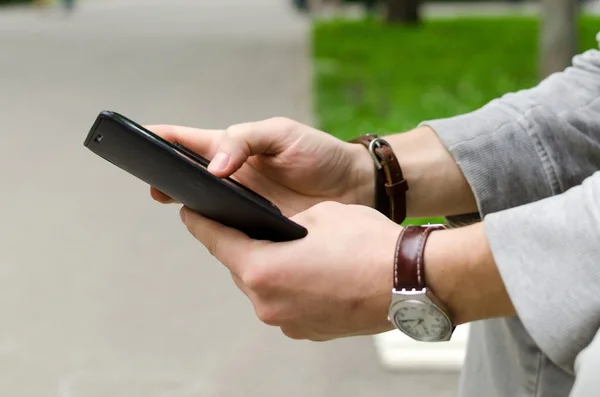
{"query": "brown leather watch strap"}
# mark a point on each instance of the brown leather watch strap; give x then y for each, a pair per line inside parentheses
(391, 187)
(409, 269)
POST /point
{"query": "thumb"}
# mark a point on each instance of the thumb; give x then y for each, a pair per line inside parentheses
(241, 141)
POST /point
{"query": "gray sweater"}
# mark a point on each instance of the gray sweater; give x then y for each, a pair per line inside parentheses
(533, 160)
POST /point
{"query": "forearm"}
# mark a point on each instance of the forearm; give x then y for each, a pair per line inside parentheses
(436, 184)
(461, 271)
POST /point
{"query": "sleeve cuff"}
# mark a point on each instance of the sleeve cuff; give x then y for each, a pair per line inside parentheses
(548, 254)
(499, 156)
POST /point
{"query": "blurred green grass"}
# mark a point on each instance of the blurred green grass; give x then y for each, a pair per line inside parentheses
(373, 77)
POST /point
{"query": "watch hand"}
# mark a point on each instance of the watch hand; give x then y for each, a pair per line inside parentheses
(405, 321)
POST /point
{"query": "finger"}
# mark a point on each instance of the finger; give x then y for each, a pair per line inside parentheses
(269, 137)
(228, 245)
(199, 141)
(203, 142)
(161, 197)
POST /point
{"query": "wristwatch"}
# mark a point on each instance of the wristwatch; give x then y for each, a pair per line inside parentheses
(414, 309)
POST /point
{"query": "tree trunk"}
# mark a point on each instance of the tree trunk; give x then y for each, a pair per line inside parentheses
(558, 35)
(403, 11)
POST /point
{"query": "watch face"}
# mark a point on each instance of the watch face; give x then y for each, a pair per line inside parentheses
(422, 321)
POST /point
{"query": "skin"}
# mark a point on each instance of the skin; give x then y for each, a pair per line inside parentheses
(337, 281)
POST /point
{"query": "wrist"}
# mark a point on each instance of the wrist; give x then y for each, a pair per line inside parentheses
(460, 270)
(364, 175)
(384, 251)
(390, 186)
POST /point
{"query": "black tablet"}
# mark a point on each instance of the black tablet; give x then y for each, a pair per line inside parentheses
(182, 174)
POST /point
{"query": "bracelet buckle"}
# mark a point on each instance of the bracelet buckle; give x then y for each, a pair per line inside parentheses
(376, 144)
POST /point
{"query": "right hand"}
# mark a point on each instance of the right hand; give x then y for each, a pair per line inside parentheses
(292, 165)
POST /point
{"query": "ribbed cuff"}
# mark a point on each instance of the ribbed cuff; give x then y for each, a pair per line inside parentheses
(498, 157)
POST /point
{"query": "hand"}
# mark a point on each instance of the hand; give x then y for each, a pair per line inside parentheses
(289, 163)
(336, 282)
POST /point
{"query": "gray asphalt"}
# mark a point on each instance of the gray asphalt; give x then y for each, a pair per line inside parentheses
(102, 291)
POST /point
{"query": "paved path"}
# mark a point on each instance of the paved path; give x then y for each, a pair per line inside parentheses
(102, 292)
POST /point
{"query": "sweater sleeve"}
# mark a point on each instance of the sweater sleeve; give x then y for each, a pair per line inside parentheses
(531, 144)
(548, 255)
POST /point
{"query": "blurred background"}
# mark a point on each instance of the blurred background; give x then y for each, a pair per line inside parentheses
(102, 291)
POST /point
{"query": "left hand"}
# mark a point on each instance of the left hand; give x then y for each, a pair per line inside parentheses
(335, 282)
(293, 165)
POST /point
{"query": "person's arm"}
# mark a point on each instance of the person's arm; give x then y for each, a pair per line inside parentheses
(517, 149)
(542, 259)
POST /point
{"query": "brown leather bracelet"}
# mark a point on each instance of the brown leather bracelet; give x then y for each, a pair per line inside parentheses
(390, 185)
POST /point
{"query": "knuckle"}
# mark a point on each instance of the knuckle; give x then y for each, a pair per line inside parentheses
(267, 314)
(285, 124)
(257, 278)
(293, 333)
(283, 121)
(236, 137)
(234, 130)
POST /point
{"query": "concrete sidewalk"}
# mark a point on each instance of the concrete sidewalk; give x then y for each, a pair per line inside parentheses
(102, 291)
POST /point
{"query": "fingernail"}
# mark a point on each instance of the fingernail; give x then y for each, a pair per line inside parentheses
(182, 214)
(219, 162)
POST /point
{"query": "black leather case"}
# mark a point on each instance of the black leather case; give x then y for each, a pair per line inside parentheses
(182, 175)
